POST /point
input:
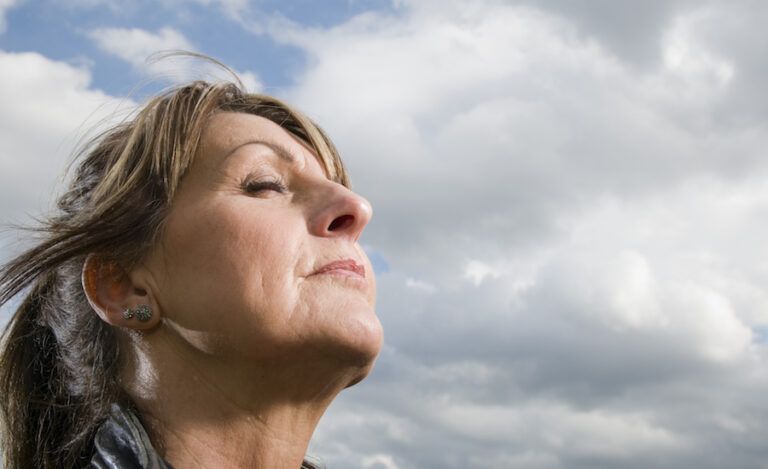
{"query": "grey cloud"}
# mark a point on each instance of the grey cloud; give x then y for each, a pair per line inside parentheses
(498, 154)
(615, 201)
(634, 33)
(616, 339)
(629, 30)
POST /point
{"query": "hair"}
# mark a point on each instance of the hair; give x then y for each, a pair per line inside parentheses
(59, 363)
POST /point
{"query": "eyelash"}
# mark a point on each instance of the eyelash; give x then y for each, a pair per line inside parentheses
(252, 186)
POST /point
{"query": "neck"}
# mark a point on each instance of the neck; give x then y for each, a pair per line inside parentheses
(205, 411)
(273, 438)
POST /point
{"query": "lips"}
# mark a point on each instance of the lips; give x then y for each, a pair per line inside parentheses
(344, 267)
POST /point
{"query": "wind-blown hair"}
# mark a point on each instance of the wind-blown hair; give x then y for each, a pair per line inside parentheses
(60, 363)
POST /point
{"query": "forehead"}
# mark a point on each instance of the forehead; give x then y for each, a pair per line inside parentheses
(225, 132)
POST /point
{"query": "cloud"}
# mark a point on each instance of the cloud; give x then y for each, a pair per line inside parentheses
(544, 117)
(632, 34)
(136, 45)
(49, 107)
(5, 5)
(585, 201)
(570, 206)
(140, 48)
(477, 271)
(419, 285)
(379, 461)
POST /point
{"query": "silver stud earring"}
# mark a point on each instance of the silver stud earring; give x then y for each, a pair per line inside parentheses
(142, 312)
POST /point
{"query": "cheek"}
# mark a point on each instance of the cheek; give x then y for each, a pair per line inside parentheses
(227, 266)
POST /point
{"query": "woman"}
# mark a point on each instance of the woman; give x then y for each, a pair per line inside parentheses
(198, 300)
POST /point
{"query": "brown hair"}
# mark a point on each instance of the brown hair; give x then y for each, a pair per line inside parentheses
(59, 363)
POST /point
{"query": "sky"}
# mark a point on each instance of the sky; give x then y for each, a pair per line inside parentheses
(569, 198)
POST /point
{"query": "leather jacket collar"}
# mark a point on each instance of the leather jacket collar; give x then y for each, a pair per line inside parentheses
(122, 443)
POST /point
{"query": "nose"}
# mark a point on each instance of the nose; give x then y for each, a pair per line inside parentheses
(341, 214)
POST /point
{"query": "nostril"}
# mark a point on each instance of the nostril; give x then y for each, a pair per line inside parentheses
(341, 223)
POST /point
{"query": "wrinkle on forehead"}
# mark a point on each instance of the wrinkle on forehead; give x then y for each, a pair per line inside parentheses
(226, 132)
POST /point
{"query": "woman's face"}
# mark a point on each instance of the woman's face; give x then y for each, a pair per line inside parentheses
(259, 257)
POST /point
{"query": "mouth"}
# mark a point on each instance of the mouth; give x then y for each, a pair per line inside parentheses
(347, 267)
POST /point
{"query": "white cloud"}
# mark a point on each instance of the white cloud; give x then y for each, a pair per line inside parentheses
(48, 108)
(140, 48)
(584, 191)
(593, 222)
(506, 115)
(671, 266)
(5, 5)
(685, 55)
(420, 285)
(379, 461)
(590, 433)
(134, 45)
(477, 271)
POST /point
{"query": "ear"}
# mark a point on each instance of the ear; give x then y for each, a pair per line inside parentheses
(116, 296)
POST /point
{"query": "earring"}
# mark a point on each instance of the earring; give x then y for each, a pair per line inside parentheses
(142, 312)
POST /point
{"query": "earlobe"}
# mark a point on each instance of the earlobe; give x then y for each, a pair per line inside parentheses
(142, 312)
(114, 296)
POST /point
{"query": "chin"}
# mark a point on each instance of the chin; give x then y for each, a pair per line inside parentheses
(356, 379)
(360, 372)
(361, 347)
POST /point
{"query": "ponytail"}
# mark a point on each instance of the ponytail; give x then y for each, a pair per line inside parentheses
(57, 376)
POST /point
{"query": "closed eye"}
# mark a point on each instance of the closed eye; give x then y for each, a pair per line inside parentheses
(257, 186)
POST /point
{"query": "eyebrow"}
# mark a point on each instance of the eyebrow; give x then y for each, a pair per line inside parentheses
(282, 152)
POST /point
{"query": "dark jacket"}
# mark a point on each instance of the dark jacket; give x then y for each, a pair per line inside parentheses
(122, 443)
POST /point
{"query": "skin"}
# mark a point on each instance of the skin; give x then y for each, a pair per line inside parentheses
(248, 344)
